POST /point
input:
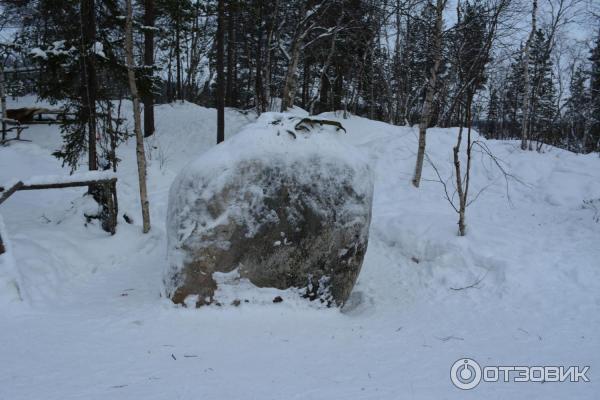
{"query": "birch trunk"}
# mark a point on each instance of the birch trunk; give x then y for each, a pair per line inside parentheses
(289, 89)
(431, 82)
(323, 74)
(141, 156)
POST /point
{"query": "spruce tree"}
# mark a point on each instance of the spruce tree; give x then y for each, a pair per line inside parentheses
(513, 97)
(543, 91)
(77, 47)
(493, 114)
(577, 110)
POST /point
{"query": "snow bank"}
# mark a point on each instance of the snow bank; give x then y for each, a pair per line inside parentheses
(522, 287)
(9, 281)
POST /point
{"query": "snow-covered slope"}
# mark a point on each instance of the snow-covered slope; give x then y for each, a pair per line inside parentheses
(522, 288)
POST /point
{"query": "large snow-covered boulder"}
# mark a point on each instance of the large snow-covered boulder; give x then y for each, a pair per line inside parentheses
(286, 202)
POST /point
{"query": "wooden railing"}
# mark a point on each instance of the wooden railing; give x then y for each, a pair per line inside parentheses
(106, 181)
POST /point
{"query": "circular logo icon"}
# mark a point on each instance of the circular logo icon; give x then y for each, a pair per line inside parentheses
(465, 373)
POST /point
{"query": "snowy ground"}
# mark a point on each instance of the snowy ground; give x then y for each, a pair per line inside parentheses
(92, 325)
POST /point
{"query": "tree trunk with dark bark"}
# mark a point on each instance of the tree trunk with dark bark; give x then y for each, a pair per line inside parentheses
(266, 89)
(231, 62)
(2, 104)
(220, 73)
(149, 64)
(89, 84)
(179, 88)
(258, 87)
(526, 80)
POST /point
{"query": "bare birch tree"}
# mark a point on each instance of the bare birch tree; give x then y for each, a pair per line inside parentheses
(431, 83)
(304, 26)
(472, 60)
(474, 50)
(325, 67)
(141, 156)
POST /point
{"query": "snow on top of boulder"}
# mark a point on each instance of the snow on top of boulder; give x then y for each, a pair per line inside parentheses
(281, 137)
